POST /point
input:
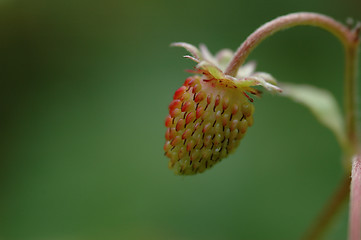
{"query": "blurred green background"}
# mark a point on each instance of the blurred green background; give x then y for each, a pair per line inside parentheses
(84, 92)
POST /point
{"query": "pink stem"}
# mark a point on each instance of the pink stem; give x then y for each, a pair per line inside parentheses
(281, 23)
(355, 201)
(350, 40)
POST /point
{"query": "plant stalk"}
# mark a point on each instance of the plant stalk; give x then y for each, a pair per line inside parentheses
(352, 131)
(350, 40)
(350, 92)
(355, 201)
(291, 20)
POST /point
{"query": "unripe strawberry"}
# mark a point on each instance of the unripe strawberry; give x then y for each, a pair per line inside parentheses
(206, 122)
(208, 117)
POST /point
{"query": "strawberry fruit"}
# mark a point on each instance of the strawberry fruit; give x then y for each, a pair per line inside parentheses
(209, 115)
(206, 122)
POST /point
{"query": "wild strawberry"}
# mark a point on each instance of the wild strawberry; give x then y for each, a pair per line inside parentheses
(210, 112)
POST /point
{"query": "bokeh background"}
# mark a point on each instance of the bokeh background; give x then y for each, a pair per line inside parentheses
(84, 92)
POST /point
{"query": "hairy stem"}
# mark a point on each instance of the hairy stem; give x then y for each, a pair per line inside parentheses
(354, 232)
(350, 40)
(350, 92)
(281, 23)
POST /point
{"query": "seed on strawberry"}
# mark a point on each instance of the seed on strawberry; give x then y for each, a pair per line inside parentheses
(187, 106)
(179, 92)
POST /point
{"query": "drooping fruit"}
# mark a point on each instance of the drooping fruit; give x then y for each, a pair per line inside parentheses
(211, 112)
(206, 121)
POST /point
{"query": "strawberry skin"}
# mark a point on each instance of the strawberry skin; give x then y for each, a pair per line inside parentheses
(207, 119)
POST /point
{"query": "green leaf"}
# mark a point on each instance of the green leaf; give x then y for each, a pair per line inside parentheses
(322, 104)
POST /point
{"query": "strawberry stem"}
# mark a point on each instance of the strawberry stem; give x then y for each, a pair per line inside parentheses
(350, 97)
(350, 40)
(355, 200)
(284, 22)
